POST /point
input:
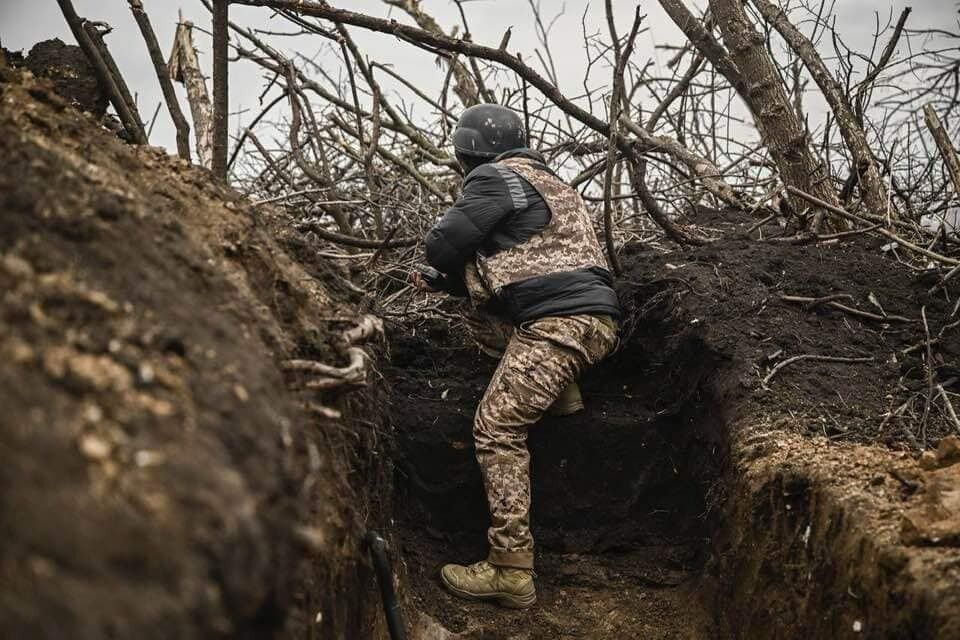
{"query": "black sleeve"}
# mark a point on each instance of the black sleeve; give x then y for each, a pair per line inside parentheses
(462, 230)
(453, 284)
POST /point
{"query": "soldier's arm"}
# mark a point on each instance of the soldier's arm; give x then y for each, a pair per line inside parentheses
(455, 239)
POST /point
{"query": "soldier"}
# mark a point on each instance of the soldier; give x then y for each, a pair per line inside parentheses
(520, 244)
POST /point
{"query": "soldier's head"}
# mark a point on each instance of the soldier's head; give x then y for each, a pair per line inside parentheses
(484, 131)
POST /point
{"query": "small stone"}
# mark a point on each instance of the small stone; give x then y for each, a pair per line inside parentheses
(93, 414)
(94, 447)
(147, 458)
(241, 393)
(16, 266)
(146, 373)
(41, 567)
(20, 351)
(857, 626)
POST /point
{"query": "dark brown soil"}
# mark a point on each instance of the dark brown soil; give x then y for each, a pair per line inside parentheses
(620, 511)
(159, 478)
(73, 79)
(640, 483)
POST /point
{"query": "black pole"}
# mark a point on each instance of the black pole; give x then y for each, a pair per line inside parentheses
(381, 564)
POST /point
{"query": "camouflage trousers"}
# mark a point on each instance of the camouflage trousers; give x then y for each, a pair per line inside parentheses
(537, 361)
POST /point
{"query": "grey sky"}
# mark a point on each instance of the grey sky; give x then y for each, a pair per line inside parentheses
(24, 22)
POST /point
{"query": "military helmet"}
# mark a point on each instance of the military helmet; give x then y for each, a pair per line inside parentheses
(487, 130)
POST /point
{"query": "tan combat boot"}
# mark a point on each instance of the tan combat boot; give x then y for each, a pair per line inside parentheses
(507, 587)
(568, 402)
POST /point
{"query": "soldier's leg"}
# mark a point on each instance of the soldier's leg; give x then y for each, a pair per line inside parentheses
(542, 358)
(490, 333)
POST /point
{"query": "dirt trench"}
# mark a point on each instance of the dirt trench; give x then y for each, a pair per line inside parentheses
(689, 500)
(161, 477)
(620, 491)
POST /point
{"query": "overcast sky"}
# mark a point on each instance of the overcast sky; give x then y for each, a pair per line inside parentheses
(25, 22)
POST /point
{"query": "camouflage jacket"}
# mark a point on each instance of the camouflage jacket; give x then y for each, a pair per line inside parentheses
(541, 262)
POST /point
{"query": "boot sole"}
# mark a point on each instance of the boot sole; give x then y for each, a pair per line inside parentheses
(508, 600)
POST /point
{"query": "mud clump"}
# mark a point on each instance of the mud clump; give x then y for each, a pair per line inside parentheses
(67, 68)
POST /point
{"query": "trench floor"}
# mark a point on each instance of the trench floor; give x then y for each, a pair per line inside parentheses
(647, 592)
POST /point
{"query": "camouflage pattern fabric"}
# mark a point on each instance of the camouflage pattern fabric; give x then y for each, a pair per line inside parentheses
(567, 243)
(490, 333)
(541, 358)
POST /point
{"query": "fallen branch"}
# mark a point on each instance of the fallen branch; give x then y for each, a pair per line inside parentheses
(351, 241)
(810, 356)
(843, 213)
(93, 31)
(831, 301)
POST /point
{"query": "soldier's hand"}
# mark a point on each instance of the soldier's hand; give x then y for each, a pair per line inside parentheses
(420, 282)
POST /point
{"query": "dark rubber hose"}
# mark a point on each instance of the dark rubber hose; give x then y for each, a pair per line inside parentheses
(381, 564)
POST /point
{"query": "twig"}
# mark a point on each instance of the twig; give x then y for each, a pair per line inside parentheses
(243, 136)
(929, 370)
(831, 301)
(809, 356)
(949, 405)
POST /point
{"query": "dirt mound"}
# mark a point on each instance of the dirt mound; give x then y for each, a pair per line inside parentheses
(160, 479)
(733, 294)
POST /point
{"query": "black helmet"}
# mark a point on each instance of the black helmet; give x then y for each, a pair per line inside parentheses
(487, 130)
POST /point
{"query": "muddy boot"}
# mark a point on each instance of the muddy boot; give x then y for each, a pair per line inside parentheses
(568, 402)
(507, 587)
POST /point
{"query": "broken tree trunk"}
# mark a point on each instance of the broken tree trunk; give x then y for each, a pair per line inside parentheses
(947, 150)
(166, 86)
(871, 186)
(184, 67)
(781, 129)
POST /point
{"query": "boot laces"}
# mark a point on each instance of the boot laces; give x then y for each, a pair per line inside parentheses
(478, 567)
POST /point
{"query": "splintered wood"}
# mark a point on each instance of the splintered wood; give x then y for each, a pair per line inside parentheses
(184, 67)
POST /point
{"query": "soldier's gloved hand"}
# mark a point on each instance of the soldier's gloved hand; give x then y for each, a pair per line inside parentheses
(426, 279)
